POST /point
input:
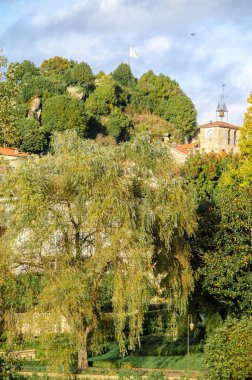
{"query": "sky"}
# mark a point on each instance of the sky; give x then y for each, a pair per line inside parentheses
(100, 32)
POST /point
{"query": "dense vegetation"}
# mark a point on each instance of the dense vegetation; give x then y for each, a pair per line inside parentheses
(63, 94)
(117, 238)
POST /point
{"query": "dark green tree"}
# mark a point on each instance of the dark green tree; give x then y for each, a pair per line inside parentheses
(163, 97)
(33, 138)
(227, 269)
(39, 86)
(180, 111)
(118, 125)
(154, 90)
(23, 68)
(81, 74)
(61, 112)
(107, 95)
(123, 75)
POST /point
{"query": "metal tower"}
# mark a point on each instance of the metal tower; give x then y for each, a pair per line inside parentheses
(221, 110)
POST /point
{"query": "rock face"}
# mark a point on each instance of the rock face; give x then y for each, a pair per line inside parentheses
(74, 91)
(35, 108)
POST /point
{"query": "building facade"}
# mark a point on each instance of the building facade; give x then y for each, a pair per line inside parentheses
(219, 136)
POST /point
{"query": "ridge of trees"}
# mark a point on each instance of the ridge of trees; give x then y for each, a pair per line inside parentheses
(65, 93)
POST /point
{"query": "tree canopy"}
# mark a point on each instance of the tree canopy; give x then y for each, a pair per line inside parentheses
(62, 112)
(123, 75)
(89, 212)
(155, 96)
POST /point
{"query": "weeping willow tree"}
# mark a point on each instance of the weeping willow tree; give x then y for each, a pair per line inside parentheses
(86, 214)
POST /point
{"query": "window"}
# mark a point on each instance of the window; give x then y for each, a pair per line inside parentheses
(235, 138)
(229, 136)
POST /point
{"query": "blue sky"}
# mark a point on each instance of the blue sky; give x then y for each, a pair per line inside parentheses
(99, 32)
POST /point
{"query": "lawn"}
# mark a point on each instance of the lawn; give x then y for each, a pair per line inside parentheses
(176, 362)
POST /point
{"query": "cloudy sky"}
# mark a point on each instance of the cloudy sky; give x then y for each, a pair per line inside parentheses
(99, 32)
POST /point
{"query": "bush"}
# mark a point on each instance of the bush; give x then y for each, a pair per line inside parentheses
(229, 350)
(9, 367)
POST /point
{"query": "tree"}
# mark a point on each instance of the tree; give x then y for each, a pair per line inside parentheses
(89, 212)
(123, 75)
(23, 68)
(55, 65)
(246, 132)
(8, 105)
(163, 97)
(180, 111)
(39, 86)
(227, 264)
(118, 125)
(32, 136)
(222, 245)
(81, 74)
(61, 112)
(105, 97)
(203, 171)
(228, 351)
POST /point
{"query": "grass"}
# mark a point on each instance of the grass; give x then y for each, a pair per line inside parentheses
(176, 362)
(156, 352)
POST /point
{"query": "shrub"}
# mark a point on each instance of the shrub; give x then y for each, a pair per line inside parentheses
(229, 350)
(9, 367)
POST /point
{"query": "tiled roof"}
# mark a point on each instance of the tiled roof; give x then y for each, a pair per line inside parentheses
(185, 148)
(12, 152)
(219, 124)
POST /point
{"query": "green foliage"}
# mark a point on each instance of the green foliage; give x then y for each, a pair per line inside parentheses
(55, 65)
(123, 210)
(228, 270)
(180, 111)
(203, 171)
(39, 86)
(245, 143)
(81, 74)
(123, 75)
(8, 105)
(118, 125)
(156, 89)
(32, 136)
(222, 246)
(23, 68)
(228, 351)
(163, 97)
(62, 112)
(59, 76)
(213, 321)
(105, 97)
(9, 367)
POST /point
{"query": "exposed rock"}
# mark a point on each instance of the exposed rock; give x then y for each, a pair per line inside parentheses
(35, 107)
(75, 91)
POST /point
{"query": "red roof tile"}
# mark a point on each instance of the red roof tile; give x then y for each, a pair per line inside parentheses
(12, 152)
(219, 124)
(185, 148)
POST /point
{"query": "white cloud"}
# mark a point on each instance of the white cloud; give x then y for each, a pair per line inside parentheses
(158, 44)
(100, 31)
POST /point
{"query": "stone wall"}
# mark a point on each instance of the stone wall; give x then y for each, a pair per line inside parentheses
(217, 138)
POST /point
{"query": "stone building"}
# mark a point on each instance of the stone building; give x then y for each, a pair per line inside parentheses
(214, 137)
(218, 136)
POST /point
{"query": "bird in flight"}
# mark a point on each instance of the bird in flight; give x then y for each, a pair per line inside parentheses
(193, 34)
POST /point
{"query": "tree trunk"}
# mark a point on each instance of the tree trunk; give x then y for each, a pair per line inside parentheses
(82, 353)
